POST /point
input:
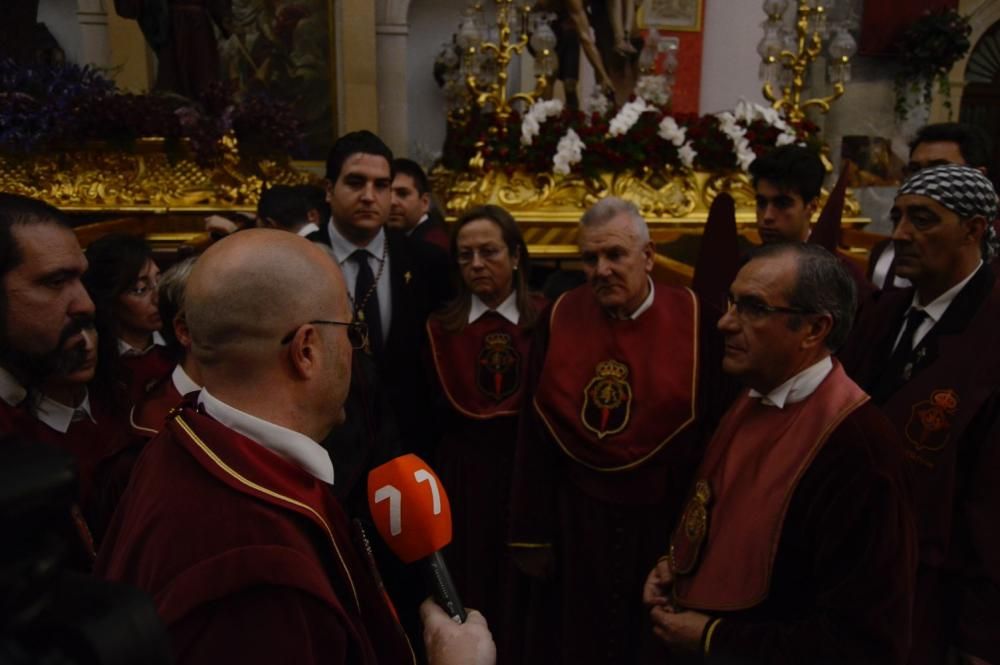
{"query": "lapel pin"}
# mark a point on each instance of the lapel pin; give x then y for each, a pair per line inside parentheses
(407, 276)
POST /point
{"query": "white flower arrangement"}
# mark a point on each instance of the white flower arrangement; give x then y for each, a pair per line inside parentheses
(653, 88)
(596, 103)
(569, 151)
(539, 112)
(627, 116)
(687, 155)
(671, 131)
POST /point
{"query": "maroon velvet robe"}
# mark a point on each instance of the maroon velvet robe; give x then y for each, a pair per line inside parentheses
(948, 414)
(249, 559)
(142, 372)
(798, 534)
(480, 372)
(149, 415)
(602, 483)
(100, 450)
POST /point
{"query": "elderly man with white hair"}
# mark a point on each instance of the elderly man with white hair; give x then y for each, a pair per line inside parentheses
(928, 356)
(611, 430)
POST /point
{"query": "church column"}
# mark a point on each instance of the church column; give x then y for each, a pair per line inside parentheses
(393, 116)
(391, 36)
(356, 57)
(93, 20)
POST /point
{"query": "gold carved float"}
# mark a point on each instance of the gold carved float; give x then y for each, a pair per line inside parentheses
(146, 179)
(548, 206)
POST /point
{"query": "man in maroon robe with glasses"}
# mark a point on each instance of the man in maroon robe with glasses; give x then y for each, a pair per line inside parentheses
(796, 544)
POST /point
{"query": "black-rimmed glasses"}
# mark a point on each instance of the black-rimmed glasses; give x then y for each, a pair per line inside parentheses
(357, 331)
(752, 309)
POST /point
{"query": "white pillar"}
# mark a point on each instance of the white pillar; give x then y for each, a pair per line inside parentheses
(93, 19)
(391, 44)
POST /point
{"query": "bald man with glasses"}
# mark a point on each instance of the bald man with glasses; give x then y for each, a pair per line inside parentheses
(230, 521)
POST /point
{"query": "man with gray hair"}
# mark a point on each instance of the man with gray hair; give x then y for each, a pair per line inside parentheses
(928, 356)
(611, 430)
(796, 544)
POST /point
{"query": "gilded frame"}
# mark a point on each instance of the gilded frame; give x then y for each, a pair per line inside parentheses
(675, 15)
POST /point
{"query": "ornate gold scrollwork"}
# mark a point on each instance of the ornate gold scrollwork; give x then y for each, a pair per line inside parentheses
(144, 179)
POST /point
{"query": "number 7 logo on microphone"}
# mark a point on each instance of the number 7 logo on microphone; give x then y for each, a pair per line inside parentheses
(410, 508)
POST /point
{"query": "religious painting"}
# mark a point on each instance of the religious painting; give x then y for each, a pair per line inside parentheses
(681, 15)
(286, 48)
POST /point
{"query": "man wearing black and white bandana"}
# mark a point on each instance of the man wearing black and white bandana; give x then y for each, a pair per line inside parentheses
(927, 355)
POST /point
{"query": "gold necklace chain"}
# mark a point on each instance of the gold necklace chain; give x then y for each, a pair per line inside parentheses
(359, 308)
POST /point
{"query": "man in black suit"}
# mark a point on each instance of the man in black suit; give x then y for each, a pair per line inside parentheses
(934, 145)
(394, 282)
(411, 210)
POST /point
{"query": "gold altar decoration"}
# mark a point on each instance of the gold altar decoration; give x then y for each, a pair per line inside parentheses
(786, 57)
(147, 179)
(548, 206)
(484, 64)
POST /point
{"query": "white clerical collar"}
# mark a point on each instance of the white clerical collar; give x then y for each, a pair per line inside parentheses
(798, 387)
(310, 227)
(126, 349)
(58, 416)
(343, 248)
(11, 390)
(507, 309)
(183, 383)
(293, 446)
(937, 307)
(419, 222)
(646, 304)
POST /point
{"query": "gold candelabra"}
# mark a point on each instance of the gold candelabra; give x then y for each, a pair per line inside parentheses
(484, 64)
(786, 56)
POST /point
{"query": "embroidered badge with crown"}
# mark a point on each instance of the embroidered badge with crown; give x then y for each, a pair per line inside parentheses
(607, 399)
(929, 427)
(498, 373)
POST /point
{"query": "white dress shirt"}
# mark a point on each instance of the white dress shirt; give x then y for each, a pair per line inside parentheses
(183, 383)
(297, 448)
(646, 304)
(309, 227)
(934, 310)
(798, 387)
(58, 416)
(11, 390)
(126, 349)
(881, 269)
(342, 250)
(507, 309)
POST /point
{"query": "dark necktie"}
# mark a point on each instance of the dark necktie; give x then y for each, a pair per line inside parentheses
(366, 301)
(900, 366)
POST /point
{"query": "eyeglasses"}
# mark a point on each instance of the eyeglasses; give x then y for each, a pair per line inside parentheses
(487, 253)
(357, 332)
(752, 309)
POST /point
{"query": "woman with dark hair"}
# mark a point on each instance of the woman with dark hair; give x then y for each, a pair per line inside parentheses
(122, 278)
(479, 346)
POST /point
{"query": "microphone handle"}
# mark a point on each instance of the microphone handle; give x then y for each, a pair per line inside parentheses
(443, 588)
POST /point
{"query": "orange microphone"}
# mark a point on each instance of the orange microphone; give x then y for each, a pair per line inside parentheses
(411, 512)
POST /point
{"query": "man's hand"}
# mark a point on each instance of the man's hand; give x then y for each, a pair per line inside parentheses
(538, 562)
(656, 591)
(450, 643)
(679, 630)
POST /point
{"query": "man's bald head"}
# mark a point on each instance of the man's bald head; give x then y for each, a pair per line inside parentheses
(250, 289)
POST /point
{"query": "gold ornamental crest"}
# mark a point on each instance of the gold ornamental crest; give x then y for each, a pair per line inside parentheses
(607, 399)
